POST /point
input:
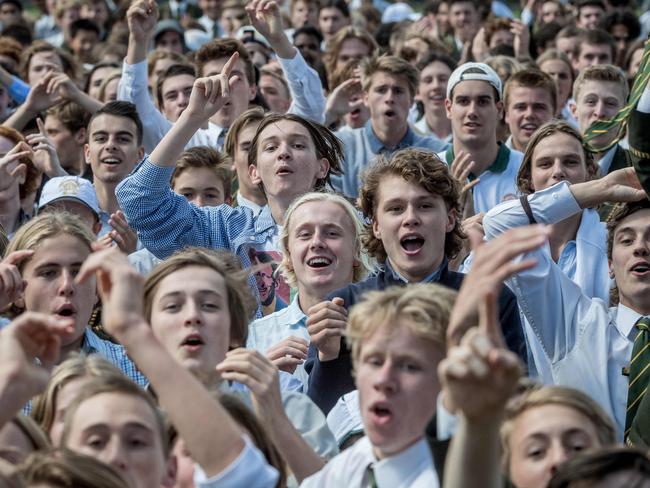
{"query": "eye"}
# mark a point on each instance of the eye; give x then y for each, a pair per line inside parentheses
(47, 273)
(171, 307)
(410, 367)
(95, 442)
(299, 145)
(136, 442)
(270, 147)
(211, 306)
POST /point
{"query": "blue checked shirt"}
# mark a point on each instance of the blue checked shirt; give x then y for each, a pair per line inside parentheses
(167, 222)
(113, 353)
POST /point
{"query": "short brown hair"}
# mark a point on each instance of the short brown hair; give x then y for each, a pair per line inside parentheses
(392, 65)
(173, 70)
(494, 25)
(250, 116)
(158, 54)
(241, 303)
(424, 308)
(531, 78)
(72, 115)
(224, 48)
(419, 167)
(327, 145)
(70, 66)
(11, 48)
(205, 157)
(524, 175)
(604, 73)
(331, 55)
(594, 37)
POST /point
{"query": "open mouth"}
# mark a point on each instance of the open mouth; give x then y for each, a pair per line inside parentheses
(640, 268)
(284, 172)
(437, 98)
(390, 113)
(529, 127)
(381, 414)
(111, 161)
(193, 341)
(67, 310)
(319, 262)
(412, 244)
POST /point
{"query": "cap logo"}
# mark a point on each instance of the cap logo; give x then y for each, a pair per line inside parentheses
(69, 188)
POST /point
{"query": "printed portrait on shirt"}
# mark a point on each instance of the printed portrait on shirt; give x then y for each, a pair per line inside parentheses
(273, 290)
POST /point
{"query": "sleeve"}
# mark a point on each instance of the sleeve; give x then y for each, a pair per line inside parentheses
(306, 89)
(18, 90)
(446, 422)
(133, 88)
(308, 419)
(553, 304)
(329, 380)
(167, 222)
(249, 469)
(640, 146)
(527, 16)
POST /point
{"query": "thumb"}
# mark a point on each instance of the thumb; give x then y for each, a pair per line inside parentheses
(338, 301)
(475, 238)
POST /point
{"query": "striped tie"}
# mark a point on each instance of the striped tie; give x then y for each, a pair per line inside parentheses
(370, 476)
(639, 371)
(619, 122)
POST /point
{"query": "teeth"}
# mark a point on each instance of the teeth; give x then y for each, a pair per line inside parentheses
(411, 238)
(318, 262)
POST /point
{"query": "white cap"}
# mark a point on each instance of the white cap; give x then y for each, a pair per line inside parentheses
(69, 188)
(477, 71)
(344, 420)
(398, 12)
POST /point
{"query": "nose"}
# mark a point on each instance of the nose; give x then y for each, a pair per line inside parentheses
(641, 247)
(557, 456)
(114, 456)
(284, 151)
(558, 171)
(198, 201)
(317, 241)
(66, 283)
(192, 314)
(183, 100)
(411, 216)
(385, 379)
(599, 109)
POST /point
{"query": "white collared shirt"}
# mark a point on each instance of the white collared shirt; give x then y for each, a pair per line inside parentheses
(411, 468)
(586, 343)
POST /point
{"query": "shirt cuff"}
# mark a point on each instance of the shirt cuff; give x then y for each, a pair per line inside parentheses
(554, 204)
(249, 469)
(446, 422)
(149, 175)
(294, 67)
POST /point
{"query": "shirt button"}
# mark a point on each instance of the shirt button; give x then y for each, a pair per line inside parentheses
(251, 238)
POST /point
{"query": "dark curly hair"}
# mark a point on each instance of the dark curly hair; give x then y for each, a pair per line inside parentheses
(422, 168)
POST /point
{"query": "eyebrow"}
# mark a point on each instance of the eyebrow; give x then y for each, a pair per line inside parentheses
(189, 188)
(119, 133)
(128, 425)
(173, 294)
(49, 264)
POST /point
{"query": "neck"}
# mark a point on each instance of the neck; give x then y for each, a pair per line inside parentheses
(278, 208)
(381, 454)
(9, 212)
(641, 305)
(106, 196)
(72, 347)
(76, 167)
(483, 154)
(390, 136)
(254, 194)
(563, 232)
(309, 298)
(439, 124)
(518, 146)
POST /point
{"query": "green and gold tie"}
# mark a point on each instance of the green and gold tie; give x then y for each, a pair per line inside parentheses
(639, 371)
(619, 121)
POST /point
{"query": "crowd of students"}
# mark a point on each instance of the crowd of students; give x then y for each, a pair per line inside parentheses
(324, 243)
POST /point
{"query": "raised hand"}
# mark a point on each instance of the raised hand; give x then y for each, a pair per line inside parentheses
(494, 262)
(522, 38)
(250, 368)
(121, 289)
(288, 353)
(344, 99)
(11, 282)
(40, 98)
(618, 186)
(11, 166)
(141, 18)
(326, 323)
(30, 336)
(461, 168)
(211, 93)
(265, 16)
(45, 157)
(122, 234)
(479, 375)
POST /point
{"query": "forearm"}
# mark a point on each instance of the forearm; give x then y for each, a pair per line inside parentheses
(136, 50)
(301, 458)
(89, 103)
(173, 143)
(13, 395)
(474, 455)
(20, 118)
(216, 441)
(590, 193)
(282, 46)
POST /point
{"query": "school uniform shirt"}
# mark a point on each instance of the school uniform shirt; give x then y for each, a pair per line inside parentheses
(498, 182)
(167, 222)
(421, 127)
(266, 332)
(361, 146)
(412, 468)
(583, 261)
(586, 343)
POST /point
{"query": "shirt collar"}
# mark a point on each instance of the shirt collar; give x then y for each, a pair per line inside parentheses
(606, 161)
(498, 166)
(432, 278)
(625, 320)
(376, 146)
(391, 471)
(91, 342)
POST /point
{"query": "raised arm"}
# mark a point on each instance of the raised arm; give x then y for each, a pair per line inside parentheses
(304, 83)
(216, 441)
(141, 19)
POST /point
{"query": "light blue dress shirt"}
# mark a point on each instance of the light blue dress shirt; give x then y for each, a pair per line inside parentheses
(361, 146)
(586, 343)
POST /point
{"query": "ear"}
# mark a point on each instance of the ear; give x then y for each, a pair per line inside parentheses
(324, 167)
(448, 108)
(80, 136)
(375, 229)
(97, 227)
(611, 269)
(87, 154)
(573, 108)
(499, 105)
(451, 220)
(169, 480)
(140, 153)
(252, 91)
(20, 301)
(228, 201)
(365, 99)
(253, 173)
